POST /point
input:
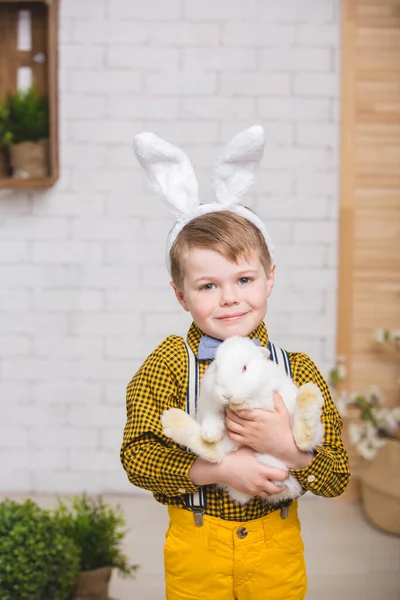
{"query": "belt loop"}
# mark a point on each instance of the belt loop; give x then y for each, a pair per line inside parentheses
(266, 521)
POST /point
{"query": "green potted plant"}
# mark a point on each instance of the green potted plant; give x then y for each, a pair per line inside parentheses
(37, 560)
(98, 529)
(29, 126)
(5, 140)
(374, 430)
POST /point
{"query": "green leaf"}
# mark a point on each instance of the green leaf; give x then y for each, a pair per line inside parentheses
(28, 119)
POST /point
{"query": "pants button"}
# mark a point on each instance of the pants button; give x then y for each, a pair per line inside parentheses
(242, 532)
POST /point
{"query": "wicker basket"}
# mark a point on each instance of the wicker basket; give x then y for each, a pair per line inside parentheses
(29, 160)
(380, 485)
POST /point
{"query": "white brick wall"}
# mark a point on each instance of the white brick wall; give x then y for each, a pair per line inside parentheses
(84, 291)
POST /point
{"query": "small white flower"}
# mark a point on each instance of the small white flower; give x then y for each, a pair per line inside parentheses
(355, 433)
(342, 402)
(341, 371)
(394, 335)
(396, 413)
(387, 419)
(370, 433)
(366, 451)
(380, 336)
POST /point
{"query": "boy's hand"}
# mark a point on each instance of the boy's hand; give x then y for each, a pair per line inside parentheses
(267, 432)
(245, 473)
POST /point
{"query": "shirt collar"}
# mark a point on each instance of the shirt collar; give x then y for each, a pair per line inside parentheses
(194, 334)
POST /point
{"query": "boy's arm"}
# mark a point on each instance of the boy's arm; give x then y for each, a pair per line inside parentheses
(151, 460)
(328, 472)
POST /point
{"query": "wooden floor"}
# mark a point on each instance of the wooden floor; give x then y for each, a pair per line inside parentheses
(347, 559)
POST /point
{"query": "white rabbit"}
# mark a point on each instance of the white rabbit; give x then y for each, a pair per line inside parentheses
(243, 378)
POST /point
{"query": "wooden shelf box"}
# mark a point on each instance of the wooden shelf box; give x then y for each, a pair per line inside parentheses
(29, 50)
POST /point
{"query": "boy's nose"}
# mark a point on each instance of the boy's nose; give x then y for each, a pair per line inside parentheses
(228, 297)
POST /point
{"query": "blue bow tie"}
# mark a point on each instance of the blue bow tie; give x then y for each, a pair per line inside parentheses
(208, 347)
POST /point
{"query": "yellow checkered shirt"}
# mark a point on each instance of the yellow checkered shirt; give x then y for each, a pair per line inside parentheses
(155, 463)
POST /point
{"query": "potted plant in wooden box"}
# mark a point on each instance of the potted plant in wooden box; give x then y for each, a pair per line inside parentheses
(5, 140)
(375, 434)
(29, 126)
(98, 530)
(37, 560)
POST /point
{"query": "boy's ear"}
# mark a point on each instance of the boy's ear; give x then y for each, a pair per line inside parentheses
(271, 280)
(180, 296)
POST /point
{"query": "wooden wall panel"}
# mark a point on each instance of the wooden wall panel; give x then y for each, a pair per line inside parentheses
(370, 190)
(369, 253)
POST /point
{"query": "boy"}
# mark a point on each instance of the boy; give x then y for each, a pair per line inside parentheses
(221, 263)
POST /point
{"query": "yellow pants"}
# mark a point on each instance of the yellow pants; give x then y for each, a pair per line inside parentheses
(227, 560)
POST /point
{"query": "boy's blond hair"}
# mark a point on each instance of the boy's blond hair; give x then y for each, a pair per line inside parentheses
(230, 234)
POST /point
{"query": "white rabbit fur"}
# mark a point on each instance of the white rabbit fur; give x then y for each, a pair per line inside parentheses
(227, 383)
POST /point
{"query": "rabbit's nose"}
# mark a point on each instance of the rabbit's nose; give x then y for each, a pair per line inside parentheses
(227, 396)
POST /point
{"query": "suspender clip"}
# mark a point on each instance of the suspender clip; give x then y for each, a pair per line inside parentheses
(284, 512)
(198, 512)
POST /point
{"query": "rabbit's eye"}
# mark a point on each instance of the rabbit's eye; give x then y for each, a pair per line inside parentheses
(244, 368)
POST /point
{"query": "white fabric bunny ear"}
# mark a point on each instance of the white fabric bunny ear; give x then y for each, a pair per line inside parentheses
(170, 172)
(172, 176)
(234, 172)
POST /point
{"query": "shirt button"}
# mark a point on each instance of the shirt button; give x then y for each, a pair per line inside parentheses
(242, 532)
(181, 491)
(311, 478)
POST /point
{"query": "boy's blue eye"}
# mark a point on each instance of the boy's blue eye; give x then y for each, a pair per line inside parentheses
(207, 286)
(244, 279)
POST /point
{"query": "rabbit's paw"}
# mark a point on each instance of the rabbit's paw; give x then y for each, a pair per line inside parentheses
(310, 399)
(212, 430)
(211, 452)
(307, 427)
(175, 423)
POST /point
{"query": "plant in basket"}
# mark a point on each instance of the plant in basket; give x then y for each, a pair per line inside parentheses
(375, 422)
(98, 529)
(29, 126)
(374, 430)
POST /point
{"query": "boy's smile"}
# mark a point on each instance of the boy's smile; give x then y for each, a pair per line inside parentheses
(224, 298)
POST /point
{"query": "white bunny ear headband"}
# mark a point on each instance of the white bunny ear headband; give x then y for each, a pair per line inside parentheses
(172, 177)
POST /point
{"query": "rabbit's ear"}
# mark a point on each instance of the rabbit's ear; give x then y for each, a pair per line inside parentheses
(233, 174)
(170, 172)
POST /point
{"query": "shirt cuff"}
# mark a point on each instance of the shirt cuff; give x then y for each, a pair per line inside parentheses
(179, 482)
(313, 477)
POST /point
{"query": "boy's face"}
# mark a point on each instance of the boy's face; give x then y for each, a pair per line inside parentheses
(224, 298)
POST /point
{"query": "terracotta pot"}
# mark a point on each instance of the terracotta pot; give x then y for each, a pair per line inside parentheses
(380, 487)
(29, 160)
(93, 585)
(4, 164)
